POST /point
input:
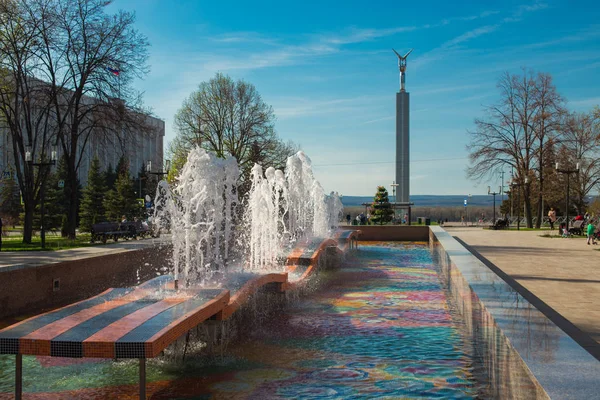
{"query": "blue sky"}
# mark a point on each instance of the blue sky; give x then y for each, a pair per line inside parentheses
(328, 70)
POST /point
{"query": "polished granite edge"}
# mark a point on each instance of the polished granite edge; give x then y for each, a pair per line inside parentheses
(561, 366)
(75, 256)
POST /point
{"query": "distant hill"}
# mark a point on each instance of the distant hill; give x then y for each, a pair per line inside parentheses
(432, 200)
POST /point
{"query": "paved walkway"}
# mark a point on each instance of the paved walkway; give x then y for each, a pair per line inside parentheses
(18, 259)
(564, 274)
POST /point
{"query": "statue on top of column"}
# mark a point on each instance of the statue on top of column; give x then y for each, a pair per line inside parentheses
(402, 67)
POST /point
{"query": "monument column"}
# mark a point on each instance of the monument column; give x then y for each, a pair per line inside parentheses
(402, 146)
(402, 134)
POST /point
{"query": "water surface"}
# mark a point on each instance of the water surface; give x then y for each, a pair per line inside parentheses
(380, 327)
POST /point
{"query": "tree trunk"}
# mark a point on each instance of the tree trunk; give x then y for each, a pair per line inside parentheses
(540, 211)
(28, 221)
(528, 208)
(72, 199)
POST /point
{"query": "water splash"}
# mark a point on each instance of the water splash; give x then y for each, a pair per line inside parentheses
(286, 208)
(280, 209)
(199, 211)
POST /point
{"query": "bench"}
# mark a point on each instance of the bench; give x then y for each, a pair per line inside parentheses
(500, 224)
(108, 230)
(135, 229)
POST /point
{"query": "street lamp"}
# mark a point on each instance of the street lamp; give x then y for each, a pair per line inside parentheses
(394, 185)
(158, 173)
(494, 194)
(514, 184)
(40, 165)
(567, 172)
(467, 207)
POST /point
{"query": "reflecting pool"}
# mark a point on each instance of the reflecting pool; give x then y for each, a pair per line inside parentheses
(379, 327)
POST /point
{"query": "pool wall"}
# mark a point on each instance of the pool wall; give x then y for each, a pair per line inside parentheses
(526, 355)
(77, 279)
(400, 233)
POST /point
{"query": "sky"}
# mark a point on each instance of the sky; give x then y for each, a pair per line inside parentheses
(329, 72)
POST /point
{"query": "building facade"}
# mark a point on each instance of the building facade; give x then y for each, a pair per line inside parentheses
(137, 145)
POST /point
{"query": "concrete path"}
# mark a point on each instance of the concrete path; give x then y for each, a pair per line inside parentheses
(19, 259)
(563, 274)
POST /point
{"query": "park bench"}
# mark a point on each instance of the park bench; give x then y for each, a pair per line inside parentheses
(500, 224)
(108, 230)
(136, 229)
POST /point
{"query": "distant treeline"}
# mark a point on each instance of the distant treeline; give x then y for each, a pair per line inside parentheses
(471, 213)
(430, 200)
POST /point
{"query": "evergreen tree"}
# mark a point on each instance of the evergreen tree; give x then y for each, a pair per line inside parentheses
(381, 210)
(10, 200)
(142, 182)
(122, 166)
(56, 204)
(122, 199)
(92, 204)
(110, 177)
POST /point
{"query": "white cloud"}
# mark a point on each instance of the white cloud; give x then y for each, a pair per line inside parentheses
(379, 119)
(443, 89)
(244, 37)
(452, 46)
(585, 103)
(591, 32)
(472, 34)
(300, 107)
(358, 35)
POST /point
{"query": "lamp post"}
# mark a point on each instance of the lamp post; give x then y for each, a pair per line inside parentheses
(394, 185)
(40, 165)
(514, 184)
(468, 202)
(567, 172)
(494, 194)
(158, 173)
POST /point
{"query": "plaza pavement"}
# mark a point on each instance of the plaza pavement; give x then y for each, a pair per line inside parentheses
(560, 276)
(20, 259)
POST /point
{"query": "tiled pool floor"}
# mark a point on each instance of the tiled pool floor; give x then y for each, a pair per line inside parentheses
(380, 327)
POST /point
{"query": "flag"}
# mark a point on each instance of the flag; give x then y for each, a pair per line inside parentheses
(115, 71)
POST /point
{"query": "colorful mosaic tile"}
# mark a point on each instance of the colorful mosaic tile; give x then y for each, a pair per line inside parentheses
(381, 327)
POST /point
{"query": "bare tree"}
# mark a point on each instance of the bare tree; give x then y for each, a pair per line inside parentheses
(23, 104)
(57, 87)
(582, 144)
(229, 118)
(548, 105)
(505, 136)
(80, 43)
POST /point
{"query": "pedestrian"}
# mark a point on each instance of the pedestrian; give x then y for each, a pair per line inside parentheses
(406, 218)
(462, 220)
(552, 218)
(0, 234)
(348, 218)
(590, 233)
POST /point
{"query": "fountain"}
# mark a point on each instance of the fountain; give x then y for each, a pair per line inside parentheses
(211, 240)
(394, 322)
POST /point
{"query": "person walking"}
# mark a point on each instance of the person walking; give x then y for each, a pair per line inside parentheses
(590, 233)
(552, 218)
